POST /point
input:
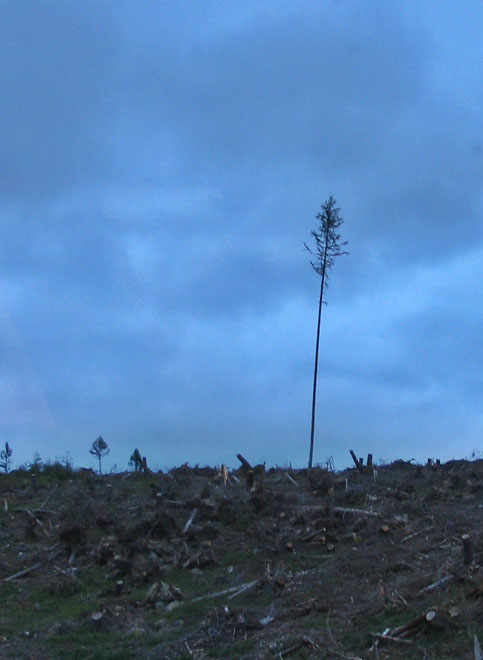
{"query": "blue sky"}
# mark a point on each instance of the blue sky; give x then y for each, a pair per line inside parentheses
(161, 167)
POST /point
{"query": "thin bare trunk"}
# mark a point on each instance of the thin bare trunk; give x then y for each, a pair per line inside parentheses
(314, 390)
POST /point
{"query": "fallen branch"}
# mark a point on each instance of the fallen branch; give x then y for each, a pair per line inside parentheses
(175, 503)
(436, 585)
(241, 588)
(360, 512)
(390, 638)
(190, 520)
(408, 538)
(336, 509)
(246, 587)
(25, 571)
(478, 655)
(291, 649)
(35, 519)
(291, 479)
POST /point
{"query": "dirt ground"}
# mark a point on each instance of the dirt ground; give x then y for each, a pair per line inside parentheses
(207, 563)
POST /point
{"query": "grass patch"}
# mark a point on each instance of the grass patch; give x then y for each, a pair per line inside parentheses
(98, 646)
(39, 610)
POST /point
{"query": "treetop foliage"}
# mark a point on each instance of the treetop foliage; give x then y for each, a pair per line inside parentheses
(328, 245)
(99, 448)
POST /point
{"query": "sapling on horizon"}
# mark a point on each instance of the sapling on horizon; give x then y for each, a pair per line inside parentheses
(99, 449)
(6, 458)
(136, 461)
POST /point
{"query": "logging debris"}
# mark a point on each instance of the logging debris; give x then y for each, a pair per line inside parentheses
(251, 556)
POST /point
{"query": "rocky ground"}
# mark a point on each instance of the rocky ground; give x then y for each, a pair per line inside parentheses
(207, 563)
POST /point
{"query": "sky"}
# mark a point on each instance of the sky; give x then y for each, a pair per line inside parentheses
(162, 164)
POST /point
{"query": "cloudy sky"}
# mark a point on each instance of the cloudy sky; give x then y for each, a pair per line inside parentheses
(161, 166)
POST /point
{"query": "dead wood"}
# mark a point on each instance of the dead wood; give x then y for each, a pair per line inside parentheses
(190, 520)
(175, 503)
(241, 588)
(360, 512)
(291, 479)
(477, 648)
(35, 519)
(244, 462)
(436, 585)
(356, 460)
(25, 571)
(390, 638)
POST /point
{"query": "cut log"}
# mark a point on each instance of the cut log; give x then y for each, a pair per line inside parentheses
(433, 620)
(408, 627)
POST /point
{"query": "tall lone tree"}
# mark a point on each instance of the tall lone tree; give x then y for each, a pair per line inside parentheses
(327, 247)
(99, 449)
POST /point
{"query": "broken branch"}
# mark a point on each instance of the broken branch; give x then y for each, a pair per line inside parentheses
(190, 520)
(34, 567)
(232, 590)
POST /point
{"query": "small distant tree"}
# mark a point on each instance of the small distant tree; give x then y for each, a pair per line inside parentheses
(136, 461)
(327, 248)
(6, 458)
(99, 449)
(37, 465)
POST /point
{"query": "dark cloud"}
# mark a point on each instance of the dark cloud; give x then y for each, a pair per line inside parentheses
(56, 80)
(162, 165)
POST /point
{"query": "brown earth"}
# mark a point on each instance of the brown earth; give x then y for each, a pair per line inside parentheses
(287, 564)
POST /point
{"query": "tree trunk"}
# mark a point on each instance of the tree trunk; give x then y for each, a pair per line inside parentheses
(314, 391)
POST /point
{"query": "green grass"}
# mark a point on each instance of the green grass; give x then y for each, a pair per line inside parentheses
(98, 646)
(19, 614)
